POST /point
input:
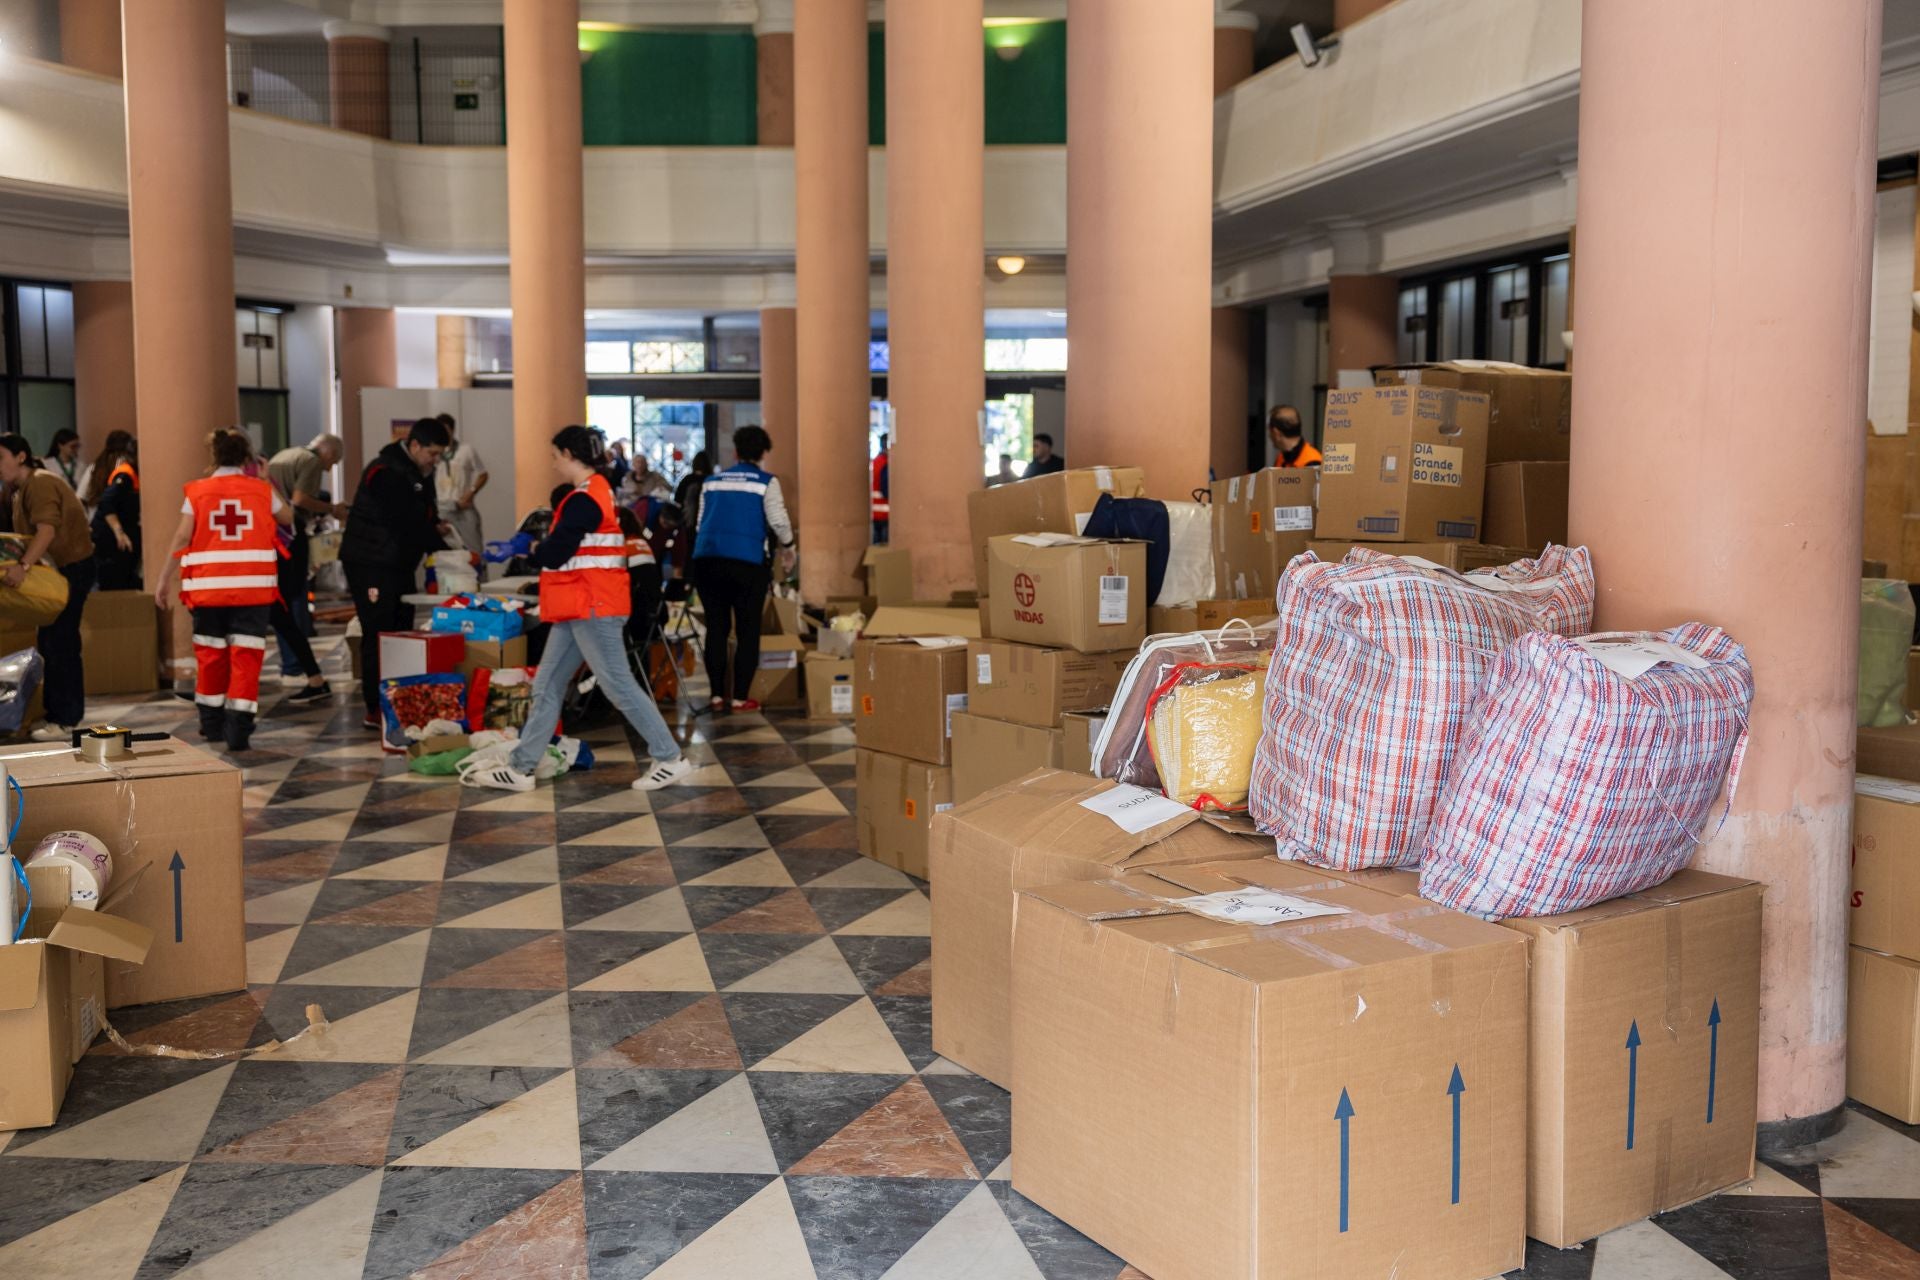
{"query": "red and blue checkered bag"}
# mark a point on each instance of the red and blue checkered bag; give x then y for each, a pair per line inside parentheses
(1588, 770)
(1377, 663)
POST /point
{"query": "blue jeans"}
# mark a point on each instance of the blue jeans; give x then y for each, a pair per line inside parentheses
(600, 641)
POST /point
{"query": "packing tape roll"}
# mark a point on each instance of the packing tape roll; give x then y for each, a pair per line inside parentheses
(92, 865)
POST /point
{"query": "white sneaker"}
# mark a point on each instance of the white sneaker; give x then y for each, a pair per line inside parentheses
(664, 774)
(501, 777)
(51, 732)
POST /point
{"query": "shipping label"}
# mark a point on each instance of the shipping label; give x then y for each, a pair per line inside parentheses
(1439, 464)
(983, 669)
(1233, 489)
(1286, 519)
(840, 699)
(955, 702)
(1337, 460)
(1113, 600)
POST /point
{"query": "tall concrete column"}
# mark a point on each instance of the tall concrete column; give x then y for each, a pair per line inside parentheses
(1140, 237)
(546, 234)
(104, 398)
(357, 74)
(90, 35)
(773, 45)
(180, 225)
(450, 352)
(1723, 329)
(369, 356)
(1363, 319)
(1233, 35)
(830, 279)
(936, 280)
(779, 400)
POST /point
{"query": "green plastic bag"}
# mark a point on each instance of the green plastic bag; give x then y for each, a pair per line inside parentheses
(441, 764)
(1886, 634)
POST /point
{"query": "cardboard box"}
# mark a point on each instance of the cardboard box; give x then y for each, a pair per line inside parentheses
(777, 681)
(1260, 521)
(1526, 504)
(1067, 592)
(1058, 503)
(1029, 685)
(1030, 832)
(1655, 967)
(1403, 464)
(1888, 753)
(1214, 614)
(493, 655)
(1529, 411)
(1081, 730)
(420, 653)
(782, 616)
(1342, 1095)
(989, 753)
(912, 620)
(985, 608)
(52, 995)
(1885, 903)
(120, 637)
(1461, 557)
(1883, 1033)
(904, 695)
(887, 574)
(895, 808)
(829, 682)
(168, 803)
(1162, 620)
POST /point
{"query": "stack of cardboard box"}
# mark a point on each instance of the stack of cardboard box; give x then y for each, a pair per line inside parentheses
(906, 691)
(1883, 1006)
(1260, 522)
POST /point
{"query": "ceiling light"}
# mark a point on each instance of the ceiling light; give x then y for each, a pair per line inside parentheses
(1011, 264)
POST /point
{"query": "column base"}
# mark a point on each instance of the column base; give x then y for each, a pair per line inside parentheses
(1787, 1140)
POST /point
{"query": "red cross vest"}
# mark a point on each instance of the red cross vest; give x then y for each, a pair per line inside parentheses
(593, 584)
(233, 558)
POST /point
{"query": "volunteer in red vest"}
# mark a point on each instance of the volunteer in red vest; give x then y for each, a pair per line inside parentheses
(1290, 447)
(882, 506)
(585, 598)
(229, 557)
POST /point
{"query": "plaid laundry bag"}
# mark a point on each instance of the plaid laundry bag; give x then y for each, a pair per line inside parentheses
(1379, 659)
(1588, 769)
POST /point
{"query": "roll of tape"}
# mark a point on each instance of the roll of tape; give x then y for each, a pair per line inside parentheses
(91, 864)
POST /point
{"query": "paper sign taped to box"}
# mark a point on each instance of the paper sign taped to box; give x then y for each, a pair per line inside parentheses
(1134, 809)
(1257, 906)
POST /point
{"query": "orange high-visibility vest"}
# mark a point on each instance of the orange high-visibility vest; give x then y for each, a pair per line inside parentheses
(1309, 457)
(124, 468)
(593, 583)
(234, 556)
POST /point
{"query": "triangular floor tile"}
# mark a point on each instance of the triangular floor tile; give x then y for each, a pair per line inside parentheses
(799, 778)
(537, 910)
(698, 1037)
(761, 1239)
(541, 1036)
(784, 912)
(664, 912)
(894, 1214)
(720, 1132)
(853, 1040)
(434, 828)
(267, 955)
(679, 966)
(650, 868)
(377, 1034)
(341, 798)
(542, 866)
(633, 834)
(1866, 1158)
(544, 1239)
(625, 800)
(106, 1239)
(412, 908)
(904, 1135)
(679, 1208)
(394, 964)
(760, 869)
(335, 826)
(818, 803)
(539, 800)
(285, 906)
(974, 1240)
(326, 1240)
(1640, 1250)
(161, 1126)
(817, 967)
(741, 833)
(906, 917)
(540, 965)
(425, 864)
(222, 1025)
(540, 1129)
(1897, 1220)
(349, 1128)
(863, 873)
(427, 1212)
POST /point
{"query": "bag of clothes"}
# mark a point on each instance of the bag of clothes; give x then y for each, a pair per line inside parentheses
(1377, 662)
(1588, 770)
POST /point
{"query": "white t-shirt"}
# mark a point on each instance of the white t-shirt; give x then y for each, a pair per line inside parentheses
(459, 470)
(186, 508)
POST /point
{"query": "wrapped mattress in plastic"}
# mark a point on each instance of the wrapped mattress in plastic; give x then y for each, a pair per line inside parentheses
(1377, 661)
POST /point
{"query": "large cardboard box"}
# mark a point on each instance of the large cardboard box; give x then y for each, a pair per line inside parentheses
(1260, 521)
(897, 799)
(989, 753)
(1327, 1095)
(1889, 491)
(1082, 733)
(1403, 464)
(120, 638)
(1072, 593)
(1059, 503)
(1883, 1033)
(888, 574)
(776, 683)
(904, 695)
(175, 810)
(1529, 411)
(1461, 557)
(1163, 619)
(493, 655)
(1885, 903)
(1889, 753)
(1030, 685)
(53, 995)
(1214, 614)
(1644, 1050)
(829, 682)
(1032, 831)
(1526, 504)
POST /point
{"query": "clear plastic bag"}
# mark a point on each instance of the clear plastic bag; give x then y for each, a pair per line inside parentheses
(19, 677)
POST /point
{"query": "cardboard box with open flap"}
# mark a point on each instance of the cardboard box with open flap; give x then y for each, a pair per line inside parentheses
(905, 692)
(1061, 502)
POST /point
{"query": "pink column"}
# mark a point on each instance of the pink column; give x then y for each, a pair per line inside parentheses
(773, 50)
(1140, 237)
(779, 401)
(90, 35)
(1363, 314)
(103, 387)
(936, 280)
(369, 356)
(357, 74)
(830, 277)
(1726, 234)
(1233, 35)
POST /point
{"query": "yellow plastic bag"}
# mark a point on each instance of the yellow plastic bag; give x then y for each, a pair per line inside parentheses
(1204, 731)
(38, 600)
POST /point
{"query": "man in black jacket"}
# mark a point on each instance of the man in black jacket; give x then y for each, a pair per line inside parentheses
(393, 523)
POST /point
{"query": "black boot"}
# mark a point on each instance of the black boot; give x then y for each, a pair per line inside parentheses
(239, 728)
(213, 722)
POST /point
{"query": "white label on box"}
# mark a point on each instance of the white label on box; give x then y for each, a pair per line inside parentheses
(1867, 784)
(1113, 600)
(942, 808)
(776, 660)
(955, 702)
(1286, 518)
(1257, 906)
(1080, 519)
(1337, 460)
(983, 669)
(1103, 479)
(1634, 658)
(89, 1020)
(840, 699)
(1439, 464)
(1134, 809)
(1233, 489)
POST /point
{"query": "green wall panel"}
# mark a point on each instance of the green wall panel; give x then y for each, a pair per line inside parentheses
(669, 88)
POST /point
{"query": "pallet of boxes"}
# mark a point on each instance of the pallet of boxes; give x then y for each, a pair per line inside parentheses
(1477, 995)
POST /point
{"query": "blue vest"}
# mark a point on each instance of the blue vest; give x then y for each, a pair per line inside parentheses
(733, 515)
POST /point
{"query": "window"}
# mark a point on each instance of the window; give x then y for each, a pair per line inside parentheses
(1413, 324)
(1507, 302)
(1558, 282)
(879, 356)
(669, 357)
(36, 360)
(1512, 309)
(1456, 318)
(1026, 355)
(46, 330)
(259, 360)
(609, 357)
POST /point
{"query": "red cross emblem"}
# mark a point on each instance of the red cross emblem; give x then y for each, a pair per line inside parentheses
(231, 519)
(1023, 589)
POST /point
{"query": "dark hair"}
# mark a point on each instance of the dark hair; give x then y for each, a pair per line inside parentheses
(14, 442)
(585, 445)
(120, 447)
(64, 436)
(1284, 415)
(750, 444)
(1041, 437)
(629, 522)
(702, 464)
(445, 420)
(230, 448)
(428, 432)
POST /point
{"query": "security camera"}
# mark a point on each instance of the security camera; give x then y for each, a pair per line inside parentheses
(1310, 50)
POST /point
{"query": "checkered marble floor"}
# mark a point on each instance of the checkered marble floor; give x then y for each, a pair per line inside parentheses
(586, 1033)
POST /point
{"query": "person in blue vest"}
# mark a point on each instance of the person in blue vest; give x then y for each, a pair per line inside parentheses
(739, 508)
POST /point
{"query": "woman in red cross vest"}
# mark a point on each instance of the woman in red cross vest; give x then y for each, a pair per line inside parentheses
(228, 554)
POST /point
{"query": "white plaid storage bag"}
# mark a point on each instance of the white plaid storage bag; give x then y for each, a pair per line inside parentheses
(1378, 660)
(1588, 770)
